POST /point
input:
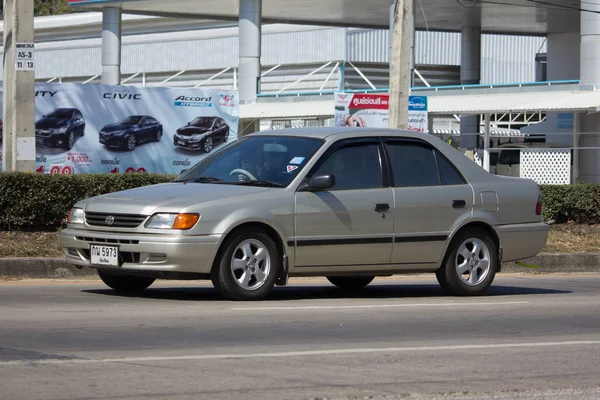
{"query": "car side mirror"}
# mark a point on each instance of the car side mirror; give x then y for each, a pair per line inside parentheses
(319, 182)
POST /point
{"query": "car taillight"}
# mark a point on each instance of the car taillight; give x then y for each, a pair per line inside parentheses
(538, 206)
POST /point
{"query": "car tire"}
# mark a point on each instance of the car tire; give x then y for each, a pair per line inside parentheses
(207, 145)
(70, 141)
(125, 283)
(83, 131)
(350, 282)
(158, 135)
(235, 274)
(130, 142)
(470, 264)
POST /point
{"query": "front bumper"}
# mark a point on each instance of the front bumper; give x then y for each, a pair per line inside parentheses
(520, 241)
(111, 141)
(54, 140)
(144, 252)
(187, 144)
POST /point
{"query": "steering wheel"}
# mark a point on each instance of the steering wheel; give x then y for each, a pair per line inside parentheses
(243, 172)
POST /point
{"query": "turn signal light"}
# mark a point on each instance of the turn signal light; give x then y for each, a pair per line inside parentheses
(538, 206)
(185, 221)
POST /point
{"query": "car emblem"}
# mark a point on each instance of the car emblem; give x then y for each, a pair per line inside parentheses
(109, 220)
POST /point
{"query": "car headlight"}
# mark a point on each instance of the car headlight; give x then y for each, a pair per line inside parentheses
(76, 216)
(62, 129)
(173, 221)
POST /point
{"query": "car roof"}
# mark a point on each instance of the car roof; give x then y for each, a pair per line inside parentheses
(325, 132)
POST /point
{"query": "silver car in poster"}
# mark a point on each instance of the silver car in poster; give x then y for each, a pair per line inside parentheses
(345, 203)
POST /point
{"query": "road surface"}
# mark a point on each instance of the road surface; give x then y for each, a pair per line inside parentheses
(531, 337)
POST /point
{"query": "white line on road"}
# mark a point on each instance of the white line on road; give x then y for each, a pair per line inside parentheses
(300, 353)
(401, 305)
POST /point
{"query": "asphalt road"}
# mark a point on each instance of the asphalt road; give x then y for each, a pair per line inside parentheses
(531, 337)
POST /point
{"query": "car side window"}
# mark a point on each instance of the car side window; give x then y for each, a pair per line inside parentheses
(413, 164)
(354, 166)
(448, 172)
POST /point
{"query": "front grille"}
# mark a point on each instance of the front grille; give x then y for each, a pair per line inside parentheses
(43, 132)
(120, 220)
(102, 240)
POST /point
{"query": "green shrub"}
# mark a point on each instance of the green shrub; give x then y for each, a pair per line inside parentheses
(42, 201)
(578, 203)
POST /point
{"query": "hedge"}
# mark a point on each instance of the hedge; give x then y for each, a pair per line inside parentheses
(42, 201)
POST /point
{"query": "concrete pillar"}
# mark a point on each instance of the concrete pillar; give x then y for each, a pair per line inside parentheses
(18, 149)
(470, 74)
(250, 16)
(589, 60)
(111, 46)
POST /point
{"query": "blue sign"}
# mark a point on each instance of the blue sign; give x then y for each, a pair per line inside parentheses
(417, 103)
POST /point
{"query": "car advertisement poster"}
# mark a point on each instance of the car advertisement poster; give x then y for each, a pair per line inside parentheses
(371, 110)
(88, 128)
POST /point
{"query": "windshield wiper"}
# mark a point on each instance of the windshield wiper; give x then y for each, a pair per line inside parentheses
(258, 182)
(204, 179)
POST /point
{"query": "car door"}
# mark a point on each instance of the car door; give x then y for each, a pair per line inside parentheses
(144, 130)
(350, 224)
(431, 197)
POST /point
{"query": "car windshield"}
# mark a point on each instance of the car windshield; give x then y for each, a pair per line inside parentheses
(133, 120)
(255, 160)
(60, 113)
(202, 122)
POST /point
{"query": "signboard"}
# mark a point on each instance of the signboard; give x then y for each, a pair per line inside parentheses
(24, 57)
(371, 110)
(86, 128)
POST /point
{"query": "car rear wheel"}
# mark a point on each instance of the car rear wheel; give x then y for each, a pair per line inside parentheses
(350, 282)
(158, 135)
(207, 146)
(125, 283)
(248, 266)
(470, 264)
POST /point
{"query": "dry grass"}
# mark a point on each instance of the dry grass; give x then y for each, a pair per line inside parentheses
(565, 238)
(571, 238)
(30, 244)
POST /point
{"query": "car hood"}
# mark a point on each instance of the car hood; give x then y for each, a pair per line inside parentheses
(51, 123)
(168, 197)
(117, 127)
(192, 130)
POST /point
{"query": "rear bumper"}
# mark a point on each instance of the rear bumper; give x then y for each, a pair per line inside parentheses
(520, 241)
(145, 253)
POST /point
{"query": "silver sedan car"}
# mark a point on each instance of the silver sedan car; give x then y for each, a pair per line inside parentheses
(345, 203)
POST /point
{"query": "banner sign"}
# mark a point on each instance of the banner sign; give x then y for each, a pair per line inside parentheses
(88, 128)
(371, 110)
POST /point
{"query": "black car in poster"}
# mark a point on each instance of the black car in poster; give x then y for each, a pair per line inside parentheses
(60, 128)
(202, 134)
(131, 131)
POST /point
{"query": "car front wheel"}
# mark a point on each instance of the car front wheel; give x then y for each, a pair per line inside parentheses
(207, 146)
(470, 265)
(125, 283)
(350, 282)
(248, 266)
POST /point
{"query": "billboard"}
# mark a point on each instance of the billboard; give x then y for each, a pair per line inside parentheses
(87, 128)
(371, 110)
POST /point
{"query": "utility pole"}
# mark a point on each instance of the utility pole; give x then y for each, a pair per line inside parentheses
(18, 130)
(400, 60)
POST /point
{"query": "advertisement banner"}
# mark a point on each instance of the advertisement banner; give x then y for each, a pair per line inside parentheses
(87, 128)
(371, 110)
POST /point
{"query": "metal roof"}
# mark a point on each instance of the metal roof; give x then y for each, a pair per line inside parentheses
(520, 16)
(441, 104)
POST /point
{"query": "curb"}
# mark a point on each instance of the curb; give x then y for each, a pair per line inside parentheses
(56, 268)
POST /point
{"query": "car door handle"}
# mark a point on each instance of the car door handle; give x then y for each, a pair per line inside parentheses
(458, 203)
(382, 207)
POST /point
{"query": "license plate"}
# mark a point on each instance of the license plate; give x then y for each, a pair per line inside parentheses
(104, 255)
